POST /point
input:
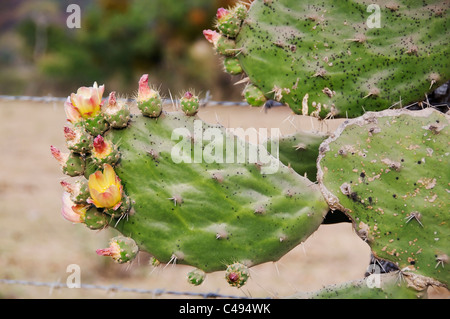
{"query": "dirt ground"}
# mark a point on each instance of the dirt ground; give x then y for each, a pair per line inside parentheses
(37, 244)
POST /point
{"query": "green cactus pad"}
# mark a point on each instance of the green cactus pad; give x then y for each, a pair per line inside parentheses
(300, 151)
(209, 214)
(389, 172)
(328, 58)
(389, 286)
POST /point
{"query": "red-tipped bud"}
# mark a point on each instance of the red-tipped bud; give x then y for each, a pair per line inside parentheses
(67, 187)
(69, 134)
(211, 36)
(188, 95)
(121, 249)
(101, 147)
(60, 157)
(145, 92)
(222, 13)
(112, 99)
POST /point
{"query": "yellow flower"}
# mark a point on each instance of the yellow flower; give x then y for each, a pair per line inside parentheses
(105, 188)
(86, 103)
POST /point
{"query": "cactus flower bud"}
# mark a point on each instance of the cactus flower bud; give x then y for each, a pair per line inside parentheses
(189, 103)
(116, 112)
(148, 99)
(121, 249)
(221, 44)
(104, 152)
(222, 14)
(237, 275)
(77, 139)
(60, 157)
(79, 190)
(212, 36)
(105, 188)
(196, 277)
(228, 22)
(72, 164)
(101, 147)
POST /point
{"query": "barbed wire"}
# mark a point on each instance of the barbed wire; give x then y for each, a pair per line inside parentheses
(49, 99)
(119, 288)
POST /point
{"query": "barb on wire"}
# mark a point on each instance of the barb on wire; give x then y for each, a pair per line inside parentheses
(116, 288)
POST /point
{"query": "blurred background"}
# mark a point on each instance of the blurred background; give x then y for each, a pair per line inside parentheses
(118, 40)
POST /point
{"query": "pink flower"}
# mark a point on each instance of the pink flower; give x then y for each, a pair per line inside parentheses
(72, 212)
(212, 36)
(73, 116)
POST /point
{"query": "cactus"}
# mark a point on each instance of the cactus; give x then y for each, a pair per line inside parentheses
(329, 59)
(300, 151)
(192, 193)
(159, 181)
(388, 171)
(386, 286)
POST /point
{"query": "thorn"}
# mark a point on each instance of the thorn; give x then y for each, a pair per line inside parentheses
(414, 215)
(244, 80)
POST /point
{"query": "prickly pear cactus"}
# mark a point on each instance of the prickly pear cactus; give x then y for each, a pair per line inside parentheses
(300, 151)
(388, 171)
(337, 58)
(185, 191)
(386, 286)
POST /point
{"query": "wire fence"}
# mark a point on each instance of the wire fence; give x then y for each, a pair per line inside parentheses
(118, 288)
(206, 101)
